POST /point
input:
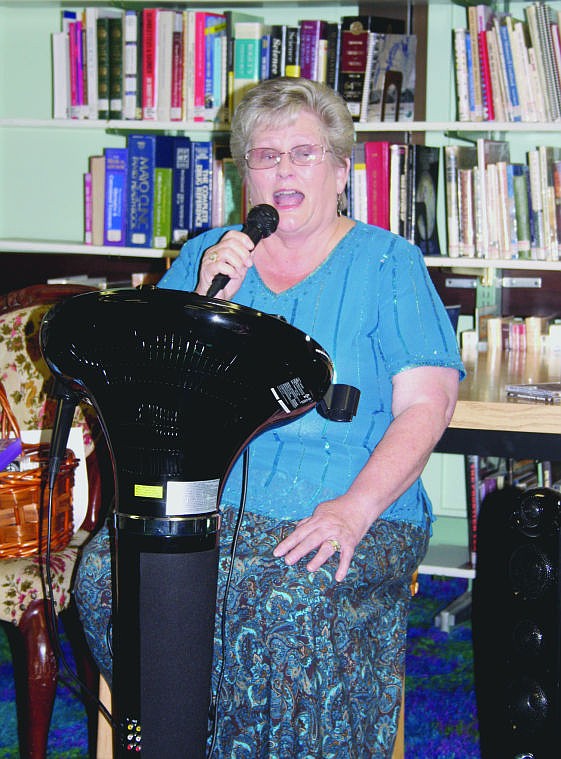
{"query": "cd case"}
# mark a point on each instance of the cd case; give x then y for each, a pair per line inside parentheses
(546, 392)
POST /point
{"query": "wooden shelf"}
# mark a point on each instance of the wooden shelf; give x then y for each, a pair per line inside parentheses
(207, 126)
(70, 248)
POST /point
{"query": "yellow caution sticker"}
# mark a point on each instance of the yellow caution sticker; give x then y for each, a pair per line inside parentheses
(149, 491)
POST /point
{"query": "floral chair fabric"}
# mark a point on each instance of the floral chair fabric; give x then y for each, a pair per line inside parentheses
(26, 379)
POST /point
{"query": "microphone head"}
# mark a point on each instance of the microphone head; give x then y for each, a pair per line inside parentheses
(265, 217)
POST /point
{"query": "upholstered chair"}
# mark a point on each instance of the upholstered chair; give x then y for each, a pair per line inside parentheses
(27, 382)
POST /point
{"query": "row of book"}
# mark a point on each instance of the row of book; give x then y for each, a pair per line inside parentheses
(162, 64)
(158, 191)
(522, 333)
(508, 69)
(499, 209)
(486, 474)
(395, 186)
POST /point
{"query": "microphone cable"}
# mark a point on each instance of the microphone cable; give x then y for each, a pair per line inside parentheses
(235, 538)
(52, 623)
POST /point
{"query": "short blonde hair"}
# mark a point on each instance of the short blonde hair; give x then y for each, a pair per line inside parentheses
(275, 102)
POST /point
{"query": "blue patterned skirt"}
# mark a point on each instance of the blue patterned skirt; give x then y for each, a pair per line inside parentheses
(313, 668)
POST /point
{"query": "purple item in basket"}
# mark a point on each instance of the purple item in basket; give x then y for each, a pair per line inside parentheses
(10, 449)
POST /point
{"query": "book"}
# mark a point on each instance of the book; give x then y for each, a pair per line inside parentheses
(292, 51)
(90, 26)
(461, 42)
(163, 187)
(97, 172)
(247, 57)
(61, 75)
(489, 152)
(276, 56)
(354, 55)
(214, 89)
(477, 114)
(181, 209)
(201, 188)
(116, 70)
(177, 68)
(521, 182)
(333, 55)
(140, 189)
(165, 24)
(377, 160)
(359, 186)
(424, 228)
(398, 162)
(76, 69)
(392, 85)
(313, 36)
(115, 196)
(232, 17)
(460, 161)
(103, 64)
(131, 26)
(88, 208)
(149, 63)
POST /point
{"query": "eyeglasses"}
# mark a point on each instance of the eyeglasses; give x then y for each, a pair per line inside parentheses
(301, 155)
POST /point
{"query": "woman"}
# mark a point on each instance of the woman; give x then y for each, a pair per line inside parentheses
(336, 517)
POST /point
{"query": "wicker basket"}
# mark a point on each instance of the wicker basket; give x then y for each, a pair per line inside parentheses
(24, 497)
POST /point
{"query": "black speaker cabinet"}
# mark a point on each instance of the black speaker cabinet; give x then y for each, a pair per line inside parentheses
(516, 617)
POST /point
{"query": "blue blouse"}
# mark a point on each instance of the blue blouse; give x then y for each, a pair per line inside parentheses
(372, 306)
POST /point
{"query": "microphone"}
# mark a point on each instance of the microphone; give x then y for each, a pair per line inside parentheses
(262, 221)
(67, 402)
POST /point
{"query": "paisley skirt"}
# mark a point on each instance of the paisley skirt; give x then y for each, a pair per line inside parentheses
(312, 668)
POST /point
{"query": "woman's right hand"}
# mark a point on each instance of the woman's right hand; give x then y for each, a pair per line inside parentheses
(231, 256)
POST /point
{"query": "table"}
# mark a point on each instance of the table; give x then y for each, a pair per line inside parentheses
(487, 423)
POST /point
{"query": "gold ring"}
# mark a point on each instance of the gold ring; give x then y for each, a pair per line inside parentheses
(334, 543)
(212, 257)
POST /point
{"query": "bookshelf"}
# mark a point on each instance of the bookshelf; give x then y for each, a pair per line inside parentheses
(42, 160)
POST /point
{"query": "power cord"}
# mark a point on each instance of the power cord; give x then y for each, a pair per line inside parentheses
(216, 698)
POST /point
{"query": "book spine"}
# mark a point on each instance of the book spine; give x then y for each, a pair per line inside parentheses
(473, 504)
(149, 72)
(466, 213)
(199, 64)
(538, 247)
(140, 189)
(311, 32)
(88, 208)
(486, 86)
(333, 55)
(462, 93)
(116, 67)
(163, 185)
(115, 196)
(247, 57)
(359, 195)
(164, 54)
(275, 68)
(354, 51)
(103, 67)
(396, 162)
(499, 103)
(202, 186)
(130, 98)
(292, 60)
(510, 72)
(177, 68)
(520, 184)
(75, 47)
(181, 191)
(61, 75)
(97, 171)
(91, 61)
(215, 29)
(477, 114)
(377, 160)
(452, 196)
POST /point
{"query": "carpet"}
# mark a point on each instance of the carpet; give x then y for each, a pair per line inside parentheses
(440, 717)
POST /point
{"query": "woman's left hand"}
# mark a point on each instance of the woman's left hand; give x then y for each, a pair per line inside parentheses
(329, 530)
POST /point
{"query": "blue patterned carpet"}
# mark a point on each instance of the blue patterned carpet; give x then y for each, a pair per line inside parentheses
(440, 721)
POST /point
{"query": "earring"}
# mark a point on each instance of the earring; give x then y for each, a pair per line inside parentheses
(340, 203)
